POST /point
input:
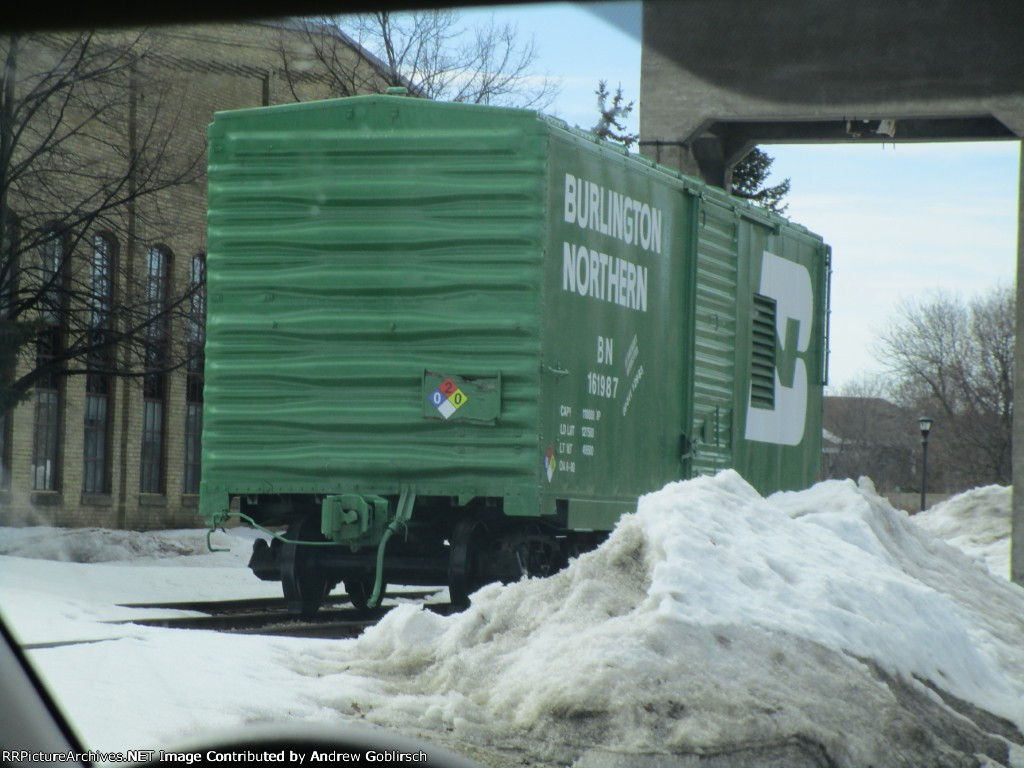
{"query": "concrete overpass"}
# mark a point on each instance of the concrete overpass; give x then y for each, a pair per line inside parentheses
(720, 76)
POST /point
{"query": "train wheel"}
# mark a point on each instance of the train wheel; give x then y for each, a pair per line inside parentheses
(360, 591)
(305, 585)
(465, 574)
(539, 555)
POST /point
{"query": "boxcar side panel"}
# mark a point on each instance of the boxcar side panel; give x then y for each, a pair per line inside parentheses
(616, 331)
(716, 324)
(781, 351)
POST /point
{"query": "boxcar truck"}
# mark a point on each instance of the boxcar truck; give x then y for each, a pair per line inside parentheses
(451, 344)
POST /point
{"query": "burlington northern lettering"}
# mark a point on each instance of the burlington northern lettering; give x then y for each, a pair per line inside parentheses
(609, 278)
(590, 271)
(593, 207)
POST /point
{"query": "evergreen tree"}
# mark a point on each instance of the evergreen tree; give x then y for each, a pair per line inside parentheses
(748, 181)
(610, 126)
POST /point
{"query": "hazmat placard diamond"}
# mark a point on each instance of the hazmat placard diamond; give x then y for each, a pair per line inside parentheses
(549, 463)
(448, 398)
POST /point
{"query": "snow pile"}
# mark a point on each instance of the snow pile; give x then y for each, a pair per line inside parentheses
(813, 628)
(977, 522)
(714, 620)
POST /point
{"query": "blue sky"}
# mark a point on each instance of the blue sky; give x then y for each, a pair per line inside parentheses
(579, 48)
(902, 220)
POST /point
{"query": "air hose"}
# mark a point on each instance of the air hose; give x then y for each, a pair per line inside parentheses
(402, 515)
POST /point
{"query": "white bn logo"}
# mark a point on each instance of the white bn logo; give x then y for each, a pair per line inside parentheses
(790, 285)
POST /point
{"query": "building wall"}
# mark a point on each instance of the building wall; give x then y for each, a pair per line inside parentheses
(185, 75)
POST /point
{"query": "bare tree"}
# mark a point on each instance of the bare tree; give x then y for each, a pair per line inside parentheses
(953, 360)
(86, 158)
(431, 52)
(868, 434)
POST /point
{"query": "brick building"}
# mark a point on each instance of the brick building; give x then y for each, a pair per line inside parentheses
(97, 449)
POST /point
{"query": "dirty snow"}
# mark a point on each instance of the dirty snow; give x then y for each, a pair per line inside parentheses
(809, 628)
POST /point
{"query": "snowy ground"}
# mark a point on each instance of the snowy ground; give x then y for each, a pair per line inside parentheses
(714, 627)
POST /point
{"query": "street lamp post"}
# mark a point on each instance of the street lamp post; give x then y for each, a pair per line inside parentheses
(926, 426)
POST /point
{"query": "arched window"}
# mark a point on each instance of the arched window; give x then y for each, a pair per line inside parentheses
(154, 386)
(51, 288)
(51, 299)
(194, 375)
(101, 282)
(99, 381)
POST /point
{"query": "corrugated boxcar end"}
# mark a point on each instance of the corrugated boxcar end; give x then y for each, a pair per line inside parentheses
(362, 253)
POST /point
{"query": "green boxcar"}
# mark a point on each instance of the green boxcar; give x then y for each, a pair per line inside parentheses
(486, 333)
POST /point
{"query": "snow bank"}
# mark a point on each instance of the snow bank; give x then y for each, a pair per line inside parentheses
(714, 618)
(976, 522)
